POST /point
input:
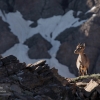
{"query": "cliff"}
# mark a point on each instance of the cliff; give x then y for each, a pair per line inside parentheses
(38, 81)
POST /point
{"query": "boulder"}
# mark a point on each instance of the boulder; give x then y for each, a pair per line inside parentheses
(97, 66)
(11, 64)
(38, 52)
(38, 47)
(37, 39)
(3, 5)
(7, 6)
(7, 39)
(35, 9)
(12, 68)
(83, 6)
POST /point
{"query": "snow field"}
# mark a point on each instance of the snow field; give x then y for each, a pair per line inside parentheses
(54, 25)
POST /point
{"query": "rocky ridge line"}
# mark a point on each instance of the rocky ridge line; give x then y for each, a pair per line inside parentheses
(38, 82)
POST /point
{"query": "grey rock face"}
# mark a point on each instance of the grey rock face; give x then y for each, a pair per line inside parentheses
(38, 47)
(7, 39)
(36, 82)
(66, 56)
(38, 52)
(7, 6)
(83, 6)
(89, 32)
(35, 9)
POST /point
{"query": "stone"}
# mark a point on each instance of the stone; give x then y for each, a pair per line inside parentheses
(94, 96)
(3, 72)
(38, 52)
(44, 83)
(7, 38)
(38, 47)
(51, 7)
(42, 97)
(83, 6)
(30, 80)
(37, 39)
(20, 96)
(81, 84)
(14, 68)
(40, 63)
(68, 35)
(9, 59)
(15, 88)
(3, 6)
(90, 87)
(35, 9)
(4, 89)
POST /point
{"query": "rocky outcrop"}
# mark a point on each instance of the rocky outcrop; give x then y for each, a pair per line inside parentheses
(38, 82)
(84, 88)
(7, 6)
(83, 6)
(38, 47)
(35, 9)
(30, 82)
(89, 33)
(7, 39)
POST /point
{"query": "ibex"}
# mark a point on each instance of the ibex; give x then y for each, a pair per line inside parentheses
(82, 62)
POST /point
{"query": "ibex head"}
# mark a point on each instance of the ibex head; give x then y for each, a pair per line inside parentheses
(79, 48)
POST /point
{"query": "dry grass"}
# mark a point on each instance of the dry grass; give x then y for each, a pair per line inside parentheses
(96, 76)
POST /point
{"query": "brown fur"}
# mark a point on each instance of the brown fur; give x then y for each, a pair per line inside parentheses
(82, 62)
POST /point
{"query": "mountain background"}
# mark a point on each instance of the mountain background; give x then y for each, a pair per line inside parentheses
(51, 29)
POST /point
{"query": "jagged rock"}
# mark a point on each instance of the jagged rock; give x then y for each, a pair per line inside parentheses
(44, 83)
(37, 39)
(19, 96)
(50, 8)
(65, 54)
(11, 64)
(30, 80)
(43, 97)
(3, 5)
(90, 87)
(69, 38)
(38, 47)
(7, 6)
(68, 35)
(35, 9)
(15, 88)
(63, 81)
(7, 39)
(9, 59)
(83, 6)
(38, 52)
(40, 63)
(3, 72)
(14, 68)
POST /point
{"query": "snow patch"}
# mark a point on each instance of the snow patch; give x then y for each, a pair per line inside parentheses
(20, 51)
(91, 10)
(18, 25)
(49, 28)
(79, 12)
(66, 22)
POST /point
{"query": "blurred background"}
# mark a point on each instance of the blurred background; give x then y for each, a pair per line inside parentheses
(51, 29)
